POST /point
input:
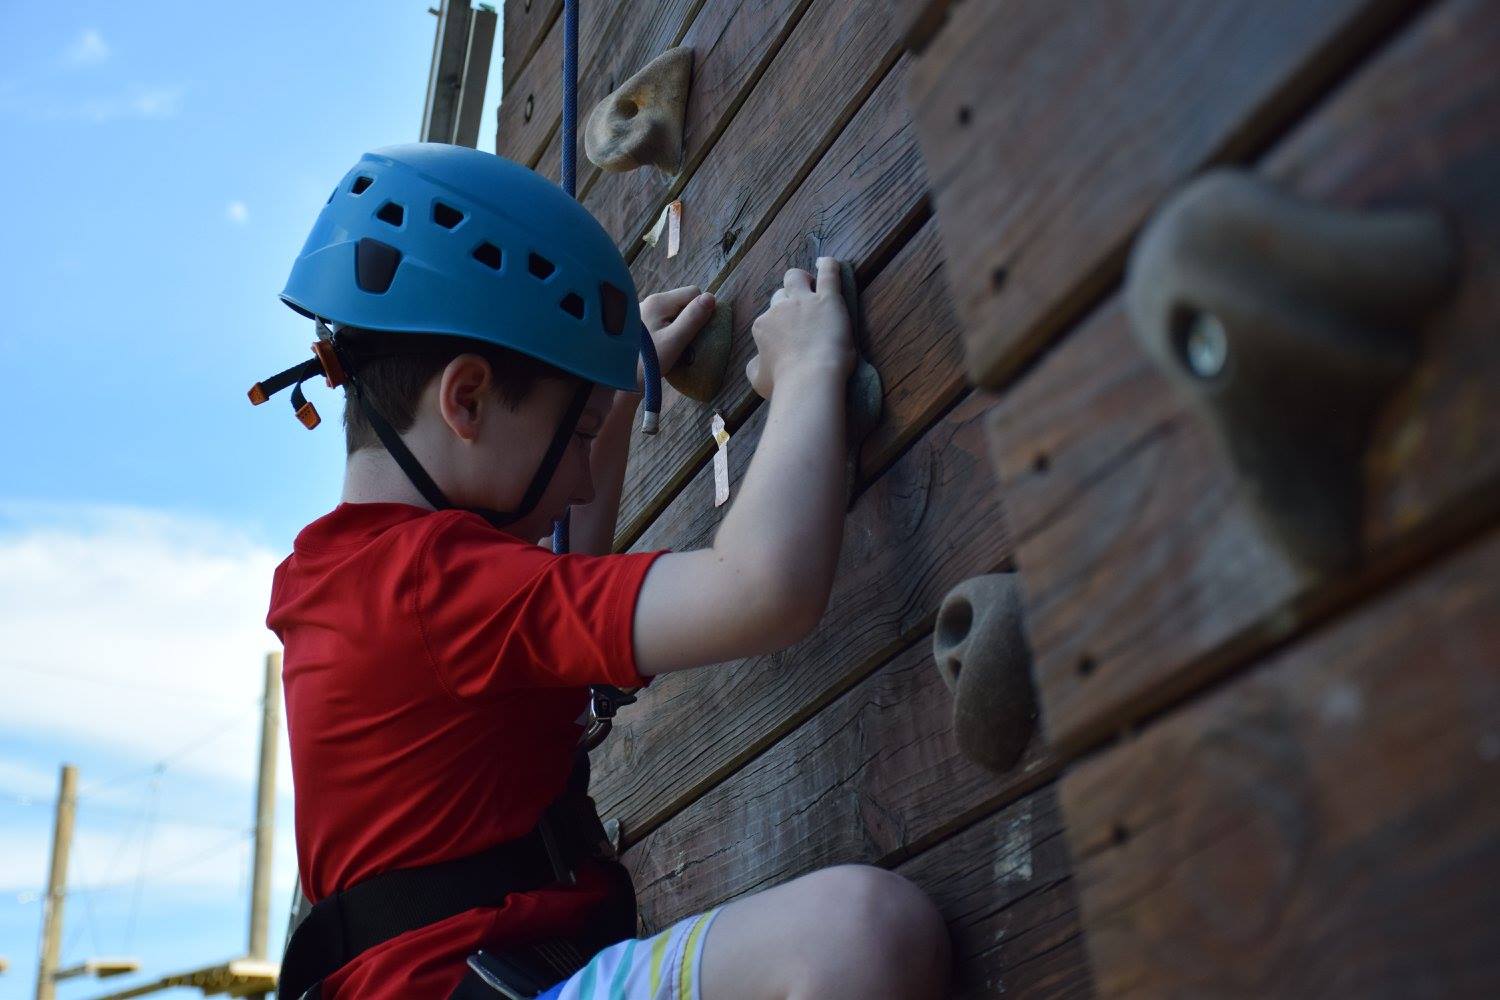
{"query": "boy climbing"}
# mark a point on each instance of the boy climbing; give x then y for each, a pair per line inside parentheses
(438, 661)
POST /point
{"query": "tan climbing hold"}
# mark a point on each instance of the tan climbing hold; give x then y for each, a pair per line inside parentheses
(980, 646)
(699, 373)
(641, 122)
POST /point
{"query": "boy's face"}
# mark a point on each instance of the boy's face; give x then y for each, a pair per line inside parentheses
(488, 453)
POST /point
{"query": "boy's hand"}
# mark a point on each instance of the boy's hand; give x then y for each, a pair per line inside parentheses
(805, 327)
(674, 319)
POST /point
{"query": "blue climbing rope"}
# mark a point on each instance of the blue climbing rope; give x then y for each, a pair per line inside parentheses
(649, 361)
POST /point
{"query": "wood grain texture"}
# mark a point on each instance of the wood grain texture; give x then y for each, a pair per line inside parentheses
(526, 24)
(861, 201)
(1326, 825)
(1049, 138)
(822, 76)
(930, 521)
(873, 778)
(1146, 574)
(1004, 884)
(1007, 890)
(733, 41)
(611, 37)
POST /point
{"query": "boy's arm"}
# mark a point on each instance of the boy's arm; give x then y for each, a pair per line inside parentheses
(764, 583)
(674, 318)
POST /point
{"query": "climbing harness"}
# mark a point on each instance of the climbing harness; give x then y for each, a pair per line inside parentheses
(345, 924)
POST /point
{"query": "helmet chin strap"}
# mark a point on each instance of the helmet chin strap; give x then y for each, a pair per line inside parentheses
(423, 482)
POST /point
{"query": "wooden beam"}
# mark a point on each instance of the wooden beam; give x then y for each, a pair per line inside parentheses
(1050, 138)
(931, 521)
(1147, 575)
(1326, 824)
(445, 73)
(475, 77)
(875, 777)
(526, 24)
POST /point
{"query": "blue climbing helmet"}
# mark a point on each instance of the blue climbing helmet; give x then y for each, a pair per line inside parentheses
(431, 239)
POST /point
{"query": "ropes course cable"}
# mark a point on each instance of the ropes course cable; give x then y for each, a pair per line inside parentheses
(140, 880)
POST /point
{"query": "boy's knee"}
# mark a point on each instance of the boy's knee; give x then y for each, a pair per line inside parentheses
(896, 926)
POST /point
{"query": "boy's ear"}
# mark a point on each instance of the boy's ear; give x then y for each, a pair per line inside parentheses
(463, 393)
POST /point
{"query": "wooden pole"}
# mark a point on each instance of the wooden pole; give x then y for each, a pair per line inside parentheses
(57, 884)
(265, 808)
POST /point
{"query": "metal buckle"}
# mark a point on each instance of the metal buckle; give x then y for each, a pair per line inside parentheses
(604, 702)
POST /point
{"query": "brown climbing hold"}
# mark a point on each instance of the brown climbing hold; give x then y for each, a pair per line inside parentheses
(1288, 323)
(982, 654)
(699, 373)
(641, 121)
(866, 393)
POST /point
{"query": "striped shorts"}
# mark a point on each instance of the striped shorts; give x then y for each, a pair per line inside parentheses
(664, 967)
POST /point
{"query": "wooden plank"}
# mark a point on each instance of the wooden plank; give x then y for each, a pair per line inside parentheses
(733, 41)
(1006, 887)
(931, 521)
(821, 78)
(860, 202)
(610, 36)
(526, 24)
(1324, 826)
(1146, 575)
(1050, 138)
(874, 777)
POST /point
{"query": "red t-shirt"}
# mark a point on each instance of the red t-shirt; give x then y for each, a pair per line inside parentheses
(436, 674)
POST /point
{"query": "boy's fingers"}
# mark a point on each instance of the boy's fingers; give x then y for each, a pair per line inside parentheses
(797, 280)
(698, 311)
(663, 305)
(828, 275)
(752, 369)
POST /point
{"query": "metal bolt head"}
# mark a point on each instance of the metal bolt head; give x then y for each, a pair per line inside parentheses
(1206, 346)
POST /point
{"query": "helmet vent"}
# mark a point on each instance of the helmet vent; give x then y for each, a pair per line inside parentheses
(391, 213)
(446, 215)
(539, 266)
(613, 309)
(361, 184)
(572, 304)
(488, 254)
(375, 265)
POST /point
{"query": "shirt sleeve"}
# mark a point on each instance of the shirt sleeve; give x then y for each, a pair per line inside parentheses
(499, 614)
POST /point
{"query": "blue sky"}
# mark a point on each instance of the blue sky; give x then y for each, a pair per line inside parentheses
(162, 164)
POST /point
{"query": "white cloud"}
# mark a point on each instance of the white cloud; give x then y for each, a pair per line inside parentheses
(89, 48)
(133, 630)
(238, 212)
(155, 102)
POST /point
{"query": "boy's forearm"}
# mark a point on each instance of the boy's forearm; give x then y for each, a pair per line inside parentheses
(788, 519)
(593, 525)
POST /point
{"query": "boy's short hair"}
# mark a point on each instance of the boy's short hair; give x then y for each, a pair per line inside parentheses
(394, 369)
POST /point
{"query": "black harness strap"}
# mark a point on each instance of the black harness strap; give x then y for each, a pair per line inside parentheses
(345, 924)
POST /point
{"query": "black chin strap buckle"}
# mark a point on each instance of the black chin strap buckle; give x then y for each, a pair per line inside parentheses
(324, 362)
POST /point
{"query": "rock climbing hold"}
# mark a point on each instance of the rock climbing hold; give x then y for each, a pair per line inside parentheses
(699, 373)
(1287, 324)
(866, 393)
(641, 121)
(980, 646)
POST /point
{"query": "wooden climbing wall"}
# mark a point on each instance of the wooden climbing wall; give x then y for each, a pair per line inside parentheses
(1247, 780)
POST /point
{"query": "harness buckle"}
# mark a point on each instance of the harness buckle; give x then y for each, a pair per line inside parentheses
(604, 702)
